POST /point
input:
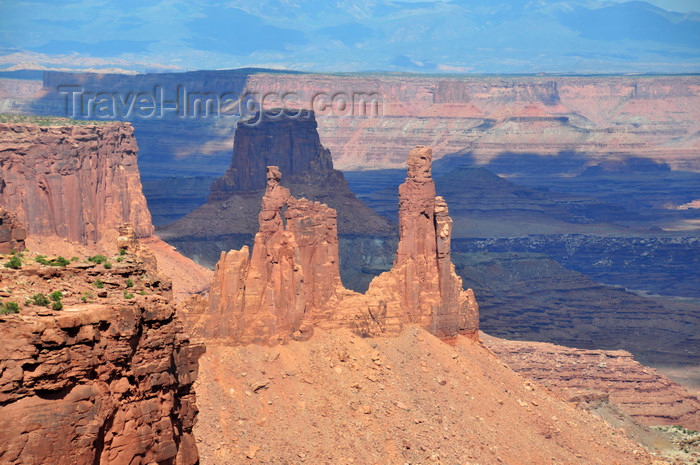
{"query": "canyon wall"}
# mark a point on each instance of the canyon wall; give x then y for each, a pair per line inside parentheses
(291, 283)
(107, 379)
(598, 116)
(487, 116)
(73, 181)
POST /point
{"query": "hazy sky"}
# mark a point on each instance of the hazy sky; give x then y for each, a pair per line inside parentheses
(353, 35)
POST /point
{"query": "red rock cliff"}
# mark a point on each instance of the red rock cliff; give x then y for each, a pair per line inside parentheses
(640, 391)
(74, 181)
(292, 282)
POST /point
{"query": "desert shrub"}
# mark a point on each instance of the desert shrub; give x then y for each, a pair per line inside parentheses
(122, 251)
(97, 259)
(9, 307)
(107, 265)
(15, 263)
(58, 261)
(142, 292)
(56, 296)
(98, 284)
(58, 305)
(128, 295)
(129, 282)
(40, 299)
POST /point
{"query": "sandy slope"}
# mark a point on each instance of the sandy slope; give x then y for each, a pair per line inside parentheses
(340, 399)
(187, 276)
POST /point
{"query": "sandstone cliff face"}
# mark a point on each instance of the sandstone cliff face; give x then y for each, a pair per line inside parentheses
(105, 380)
(12, 233)
(77, 182)
(640, 391)
(292, 281)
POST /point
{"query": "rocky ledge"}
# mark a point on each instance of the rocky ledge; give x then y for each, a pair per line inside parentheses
(580, 375)
(95, 367)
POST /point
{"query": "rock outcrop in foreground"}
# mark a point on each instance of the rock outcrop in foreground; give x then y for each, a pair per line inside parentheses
(292, 281)
(73, 181)
(107, 379)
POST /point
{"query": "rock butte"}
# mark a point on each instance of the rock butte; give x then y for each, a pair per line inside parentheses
(228, 218)
(291, 283)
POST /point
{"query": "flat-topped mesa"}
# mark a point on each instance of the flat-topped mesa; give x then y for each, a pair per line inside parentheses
(292, 280)
(287, 283)
(287, 139)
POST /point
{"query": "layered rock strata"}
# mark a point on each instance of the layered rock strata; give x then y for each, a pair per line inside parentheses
(108, 379)
(600, 117)
(640, 391)
(12, 233)
(73, 181)
(292, 281)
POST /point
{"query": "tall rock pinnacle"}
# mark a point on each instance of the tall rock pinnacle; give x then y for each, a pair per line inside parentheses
(292, 275)
(423, 281)
(291, 283)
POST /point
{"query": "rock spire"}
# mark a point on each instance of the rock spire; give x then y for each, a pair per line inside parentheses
(291, 283)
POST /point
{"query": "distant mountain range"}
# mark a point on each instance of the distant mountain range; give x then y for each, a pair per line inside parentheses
(439, 36)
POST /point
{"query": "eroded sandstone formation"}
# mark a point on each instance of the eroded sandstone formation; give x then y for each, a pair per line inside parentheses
(290, 278)
(107, 379)
(12, 233)
(422, 287)
(292, 281)
(73, 181)
(640, 391)
(291, 142)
